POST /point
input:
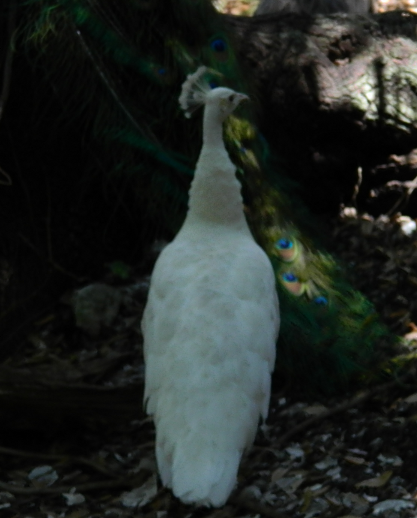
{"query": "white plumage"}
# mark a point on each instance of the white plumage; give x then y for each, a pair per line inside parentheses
(210, 324)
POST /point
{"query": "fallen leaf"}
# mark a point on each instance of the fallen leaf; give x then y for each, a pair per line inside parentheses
(140, 496)
(357, 503)
(392, 505)
(390, 459)
(318, 507)
(377, 481)
(290, 484)
(327, 463)
(315, 409)
(413, 397)
(43, 476)
(356, 451)
(278, 473)
(295, 451)
(73, 498)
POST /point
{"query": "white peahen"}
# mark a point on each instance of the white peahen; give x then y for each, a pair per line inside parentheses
(210, 324)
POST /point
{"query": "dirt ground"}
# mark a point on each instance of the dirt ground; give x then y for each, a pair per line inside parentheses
(352, 455)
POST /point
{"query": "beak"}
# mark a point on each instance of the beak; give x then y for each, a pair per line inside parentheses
(243, 97)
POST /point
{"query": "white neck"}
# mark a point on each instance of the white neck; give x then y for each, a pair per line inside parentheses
(215, 197)
(212, 129)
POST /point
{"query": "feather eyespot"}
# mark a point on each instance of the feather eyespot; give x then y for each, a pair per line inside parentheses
(213, 84)
(284, 244)
(286, 249)
(321, 300)
(293, 284)
(161, 74)
(289, 277)
(218, 45)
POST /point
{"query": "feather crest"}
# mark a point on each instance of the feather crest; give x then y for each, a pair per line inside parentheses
(195, 89)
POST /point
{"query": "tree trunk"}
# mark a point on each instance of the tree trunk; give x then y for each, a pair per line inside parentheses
(336, 93)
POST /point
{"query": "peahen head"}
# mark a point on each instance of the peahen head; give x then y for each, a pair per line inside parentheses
(196, 91)
(223, 101)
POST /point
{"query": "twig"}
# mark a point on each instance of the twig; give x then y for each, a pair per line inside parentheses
(7, 73)
(91, 486)
(8, 180)
(143, 129)
(65, 458)
(409, 186)
(357, 187)
(357, 400)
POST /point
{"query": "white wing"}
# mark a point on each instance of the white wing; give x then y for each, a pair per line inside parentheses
(210, 328)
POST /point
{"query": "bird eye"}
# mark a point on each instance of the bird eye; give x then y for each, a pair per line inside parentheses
(231, 97)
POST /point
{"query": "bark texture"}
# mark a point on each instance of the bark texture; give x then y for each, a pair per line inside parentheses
(335, 93)
(314, 6)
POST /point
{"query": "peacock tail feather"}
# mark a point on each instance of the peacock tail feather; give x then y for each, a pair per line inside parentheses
(118, 67)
